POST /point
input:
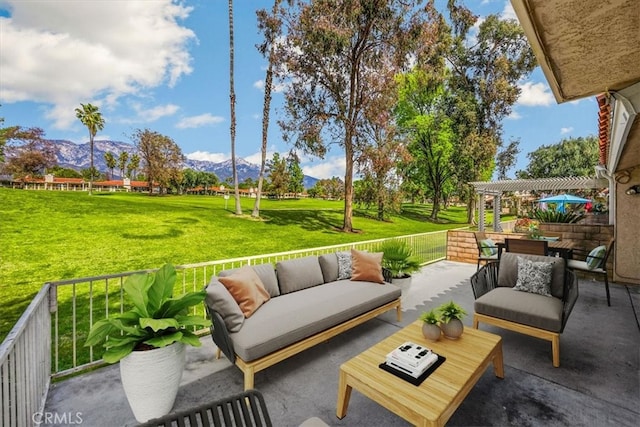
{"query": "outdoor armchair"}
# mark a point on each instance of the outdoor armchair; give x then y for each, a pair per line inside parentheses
(487, 249)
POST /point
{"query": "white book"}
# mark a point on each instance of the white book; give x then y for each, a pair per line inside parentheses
(410, 355)
(429, 360)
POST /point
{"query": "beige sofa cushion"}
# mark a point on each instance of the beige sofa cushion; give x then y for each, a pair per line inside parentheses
(245, 287)
(508, 271)
(220, 300)
(329, 266)
(525, 308)
(299, 273)
(265, 272)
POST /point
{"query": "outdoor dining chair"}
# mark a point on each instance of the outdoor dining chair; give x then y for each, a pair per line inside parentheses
(595, 263)
(487, 249)
(526, 246)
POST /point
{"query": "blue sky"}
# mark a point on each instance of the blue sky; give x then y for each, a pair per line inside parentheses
(164, 65)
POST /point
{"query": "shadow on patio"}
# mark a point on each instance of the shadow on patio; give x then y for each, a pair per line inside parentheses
(596, 384)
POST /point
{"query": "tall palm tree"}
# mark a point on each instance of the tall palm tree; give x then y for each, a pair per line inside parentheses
(91, 117)
(232, 99)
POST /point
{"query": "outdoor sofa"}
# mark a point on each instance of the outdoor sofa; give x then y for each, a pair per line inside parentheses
(310, 300)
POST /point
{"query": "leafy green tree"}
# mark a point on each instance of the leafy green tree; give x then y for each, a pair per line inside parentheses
(123, 158)
(484, 74)
(111, 162)
(507, 157)
(278, 176)
(338, 56)
(295, 174)
(569, 157)
(162, 158)
(61, 172)
(31, 154)
(91, 174)
(422, 114)
(91, 117)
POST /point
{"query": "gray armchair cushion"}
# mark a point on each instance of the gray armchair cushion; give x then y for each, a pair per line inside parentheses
(521, 307)
(299, 273)
(508, 271)
(329, 266)
(267, 276)
(220, 300)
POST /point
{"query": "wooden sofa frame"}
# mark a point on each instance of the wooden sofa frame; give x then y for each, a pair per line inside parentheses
(221, 338)
(487, 279)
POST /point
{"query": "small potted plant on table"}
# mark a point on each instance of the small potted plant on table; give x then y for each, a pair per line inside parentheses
(451, 315)
(430, 328)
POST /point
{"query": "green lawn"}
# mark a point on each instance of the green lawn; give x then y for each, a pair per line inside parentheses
(51, 235)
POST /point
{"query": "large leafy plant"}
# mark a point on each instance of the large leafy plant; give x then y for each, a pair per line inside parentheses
(156, 320)
(555, 216)
(398, 258)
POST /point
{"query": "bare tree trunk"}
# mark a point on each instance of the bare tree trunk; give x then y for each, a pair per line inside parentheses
(232, 99)
(91, 167)
(348, 184)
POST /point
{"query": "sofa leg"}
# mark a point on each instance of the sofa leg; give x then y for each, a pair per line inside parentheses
(555, 349)
(475, 322)
(218, 354)
(248, 378)
(399, 313)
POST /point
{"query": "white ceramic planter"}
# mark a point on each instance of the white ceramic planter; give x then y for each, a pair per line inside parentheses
(403, 282)
(151, 380)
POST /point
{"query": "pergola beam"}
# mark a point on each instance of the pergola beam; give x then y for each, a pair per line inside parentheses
(567, 183)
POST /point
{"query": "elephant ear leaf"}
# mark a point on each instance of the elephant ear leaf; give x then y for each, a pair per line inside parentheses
(162, 288)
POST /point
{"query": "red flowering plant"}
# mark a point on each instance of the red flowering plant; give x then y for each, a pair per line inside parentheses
(527, 225)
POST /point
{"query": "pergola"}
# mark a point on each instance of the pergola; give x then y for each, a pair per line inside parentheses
(496, 188)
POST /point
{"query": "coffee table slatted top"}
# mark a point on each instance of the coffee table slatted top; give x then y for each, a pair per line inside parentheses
(437, 398)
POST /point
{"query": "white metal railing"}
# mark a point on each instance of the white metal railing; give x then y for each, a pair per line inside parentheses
(78, 303)
(48, 340)
(25, 364)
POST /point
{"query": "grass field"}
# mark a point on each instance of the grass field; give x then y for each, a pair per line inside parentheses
(50, 235)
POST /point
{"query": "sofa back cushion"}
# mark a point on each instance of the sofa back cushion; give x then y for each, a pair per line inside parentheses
(267, 276)
(220, 300)
(508, 271)
(299, 273)
(367, 266)
(329, 266)
(247, 289)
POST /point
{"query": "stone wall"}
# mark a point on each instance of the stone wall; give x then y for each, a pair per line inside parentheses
(461, 244)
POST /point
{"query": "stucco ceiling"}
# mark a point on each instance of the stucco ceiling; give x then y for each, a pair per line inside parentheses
(585, 47)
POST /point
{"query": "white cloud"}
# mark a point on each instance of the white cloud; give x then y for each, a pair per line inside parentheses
(564, 131)
(205, 155)
(155, 113)
(276, 87)
(326, 169)
(199, 121)
(508, 12)
(514, 115)
(135, 46)
(535, 94)
(256, 158)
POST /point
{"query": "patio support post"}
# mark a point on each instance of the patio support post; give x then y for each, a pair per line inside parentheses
(481, 211)
(497, 208)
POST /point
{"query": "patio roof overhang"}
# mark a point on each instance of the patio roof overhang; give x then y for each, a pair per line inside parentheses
(591, 47)
(550, 184)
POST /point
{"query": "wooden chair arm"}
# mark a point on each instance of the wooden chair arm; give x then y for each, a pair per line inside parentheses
(485, 279)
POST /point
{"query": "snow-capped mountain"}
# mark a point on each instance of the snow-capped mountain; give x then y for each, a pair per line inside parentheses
(78, 156)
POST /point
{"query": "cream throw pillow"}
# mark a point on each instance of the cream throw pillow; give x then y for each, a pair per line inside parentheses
(366, 266)
(247, 289)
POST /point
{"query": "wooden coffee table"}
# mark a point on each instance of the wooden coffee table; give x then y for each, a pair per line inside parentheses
(434, 401)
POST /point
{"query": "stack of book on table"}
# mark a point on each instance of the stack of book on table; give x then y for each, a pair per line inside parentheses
(411, 359)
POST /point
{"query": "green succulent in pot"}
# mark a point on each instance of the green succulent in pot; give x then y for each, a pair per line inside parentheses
(431, 317)
(451, 310)
(156, 320)
(398, 258)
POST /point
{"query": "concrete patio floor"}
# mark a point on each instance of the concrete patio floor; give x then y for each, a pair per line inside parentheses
(97, 398)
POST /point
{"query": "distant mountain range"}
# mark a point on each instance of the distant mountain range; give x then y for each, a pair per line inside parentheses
(78, 156)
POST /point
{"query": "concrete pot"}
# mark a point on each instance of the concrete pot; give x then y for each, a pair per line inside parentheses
(402, 282)
(452, 329)
(151, 379)
(431, 332)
